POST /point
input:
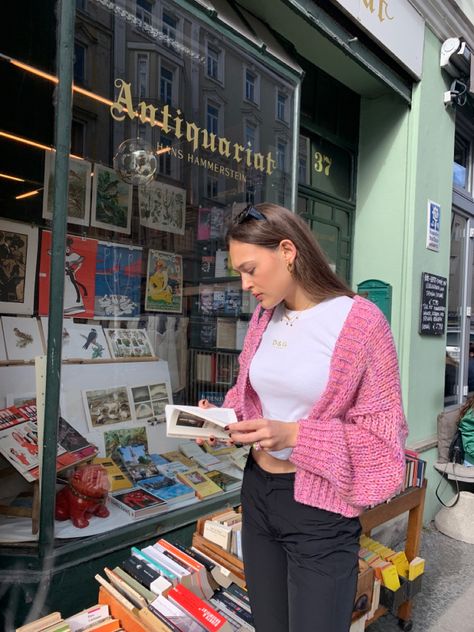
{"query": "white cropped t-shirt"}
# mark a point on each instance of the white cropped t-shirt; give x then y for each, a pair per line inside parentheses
(290, 369)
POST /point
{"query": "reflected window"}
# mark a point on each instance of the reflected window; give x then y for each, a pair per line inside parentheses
(213, 55)
(251, 134)
(170, 24)
(250, 86)
(144, 9)
(212, 186)
(166, 85)
(281, 147)
(79, 63)
(78, 137)
(164, 158)
(212, 119)
(142, 75)
(81, 4)
(281, 106)
(462, 151)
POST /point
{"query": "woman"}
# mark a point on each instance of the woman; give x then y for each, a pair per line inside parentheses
(318, 398)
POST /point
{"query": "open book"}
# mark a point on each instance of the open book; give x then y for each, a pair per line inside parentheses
(192, 421)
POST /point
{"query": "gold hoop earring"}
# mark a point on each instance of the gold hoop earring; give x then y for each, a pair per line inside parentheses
(289, 266)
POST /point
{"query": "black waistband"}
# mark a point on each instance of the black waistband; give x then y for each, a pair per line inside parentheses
(253, 465)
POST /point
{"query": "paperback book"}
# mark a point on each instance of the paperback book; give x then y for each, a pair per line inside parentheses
(193, 421)
(138, 503)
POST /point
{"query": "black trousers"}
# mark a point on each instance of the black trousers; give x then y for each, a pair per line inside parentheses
(301, 563)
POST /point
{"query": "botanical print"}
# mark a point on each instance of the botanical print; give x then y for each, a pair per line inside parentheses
(79, 193)
(117, 281)
(22, 338)
(107, 406)
(164, 287)
(79, 341)
(129, 343)
(79, 275)
(162, 207)
(111, 201)
(18, 248)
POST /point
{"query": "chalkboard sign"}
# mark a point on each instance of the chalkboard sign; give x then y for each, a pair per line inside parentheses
(433, 304)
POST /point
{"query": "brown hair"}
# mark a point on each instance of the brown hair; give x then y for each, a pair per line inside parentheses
(311, 269)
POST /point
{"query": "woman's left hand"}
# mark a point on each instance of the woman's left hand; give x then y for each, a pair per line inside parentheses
(267, 434)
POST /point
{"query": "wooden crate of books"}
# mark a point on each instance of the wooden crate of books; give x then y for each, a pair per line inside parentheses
(219, 553)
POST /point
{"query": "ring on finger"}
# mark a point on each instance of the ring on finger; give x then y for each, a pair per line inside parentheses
(257, 445)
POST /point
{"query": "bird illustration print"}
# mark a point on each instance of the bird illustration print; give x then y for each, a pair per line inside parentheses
(22, 339)
(91, 338)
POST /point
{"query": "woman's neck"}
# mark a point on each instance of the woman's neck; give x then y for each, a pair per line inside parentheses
(298, 300)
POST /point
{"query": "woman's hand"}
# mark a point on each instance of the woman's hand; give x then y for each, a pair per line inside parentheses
(204, 403)
(266, 434)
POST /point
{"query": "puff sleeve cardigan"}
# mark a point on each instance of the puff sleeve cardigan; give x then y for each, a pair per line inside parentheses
(349, 452)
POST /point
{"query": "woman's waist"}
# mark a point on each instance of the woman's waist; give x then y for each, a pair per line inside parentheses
(270, 464)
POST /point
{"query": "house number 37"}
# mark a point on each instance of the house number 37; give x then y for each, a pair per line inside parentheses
(322, 163)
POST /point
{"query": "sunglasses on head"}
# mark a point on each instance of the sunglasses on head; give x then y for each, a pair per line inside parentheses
(249, 212)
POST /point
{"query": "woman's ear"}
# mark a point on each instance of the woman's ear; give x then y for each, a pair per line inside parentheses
(288, 250)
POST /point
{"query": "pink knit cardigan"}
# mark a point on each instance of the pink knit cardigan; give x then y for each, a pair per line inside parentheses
(349, 451)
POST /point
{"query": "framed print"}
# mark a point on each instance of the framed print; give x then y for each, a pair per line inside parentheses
(117, 281)
(84, 342)
(129, 343)
(79, 195)
(162, 207)
(18, 253)
(22, 338)
(164, 284)
(79, 275)
(107, 407)
(115, 439)
(149, 401)
(111, 201)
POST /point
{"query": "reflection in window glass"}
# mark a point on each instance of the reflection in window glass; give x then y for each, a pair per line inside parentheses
(250, 81)
(142, 75)
(166, 85)
(452, 390)
(212, 62)
(144, 9)
(462, 149)
(281, 106)
(251, 134)
(79, 63)
(213, 118)
(281, 154)
(169, 25)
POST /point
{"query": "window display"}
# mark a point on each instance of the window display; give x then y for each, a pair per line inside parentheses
(175, 130)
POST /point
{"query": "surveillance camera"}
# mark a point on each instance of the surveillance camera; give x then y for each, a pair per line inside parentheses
(455, 57)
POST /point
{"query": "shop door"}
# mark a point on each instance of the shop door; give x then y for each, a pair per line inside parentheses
(326, 198)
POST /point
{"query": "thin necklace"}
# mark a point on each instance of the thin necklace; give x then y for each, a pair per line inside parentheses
(289, 320)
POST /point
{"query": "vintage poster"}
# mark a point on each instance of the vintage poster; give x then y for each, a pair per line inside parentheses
(149, 401)
(164, 286)
(117, 281)
(129, 343)
(111, 201)
(18, 249)
(107, 406)
(22, 338)
(162, 207)
(79, 196)
(80, 341)
(79, 275)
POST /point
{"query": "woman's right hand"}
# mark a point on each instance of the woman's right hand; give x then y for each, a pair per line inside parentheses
(204, 403)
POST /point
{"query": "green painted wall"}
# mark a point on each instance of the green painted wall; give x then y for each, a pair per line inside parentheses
(405, 158)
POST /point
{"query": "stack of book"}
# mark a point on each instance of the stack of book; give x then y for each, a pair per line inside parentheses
(166, 587)
(225, 530)
(97, 618)
(414, 471)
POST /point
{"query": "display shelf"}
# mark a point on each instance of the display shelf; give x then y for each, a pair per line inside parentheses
(412, 501)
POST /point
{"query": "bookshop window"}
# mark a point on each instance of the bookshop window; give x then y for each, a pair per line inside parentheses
(461, 163)
(154, 313)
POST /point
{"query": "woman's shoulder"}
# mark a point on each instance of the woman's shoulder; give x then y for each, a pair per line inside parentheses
(366, 315)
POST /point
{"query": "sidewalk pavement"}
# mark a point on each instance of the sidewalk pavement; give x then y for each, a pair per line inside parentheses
(446, 601)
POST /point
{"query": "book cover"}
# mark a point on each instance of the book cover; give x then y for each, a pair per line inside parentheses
(193, 421)
(206, 299)
(175, 615)
(177, 455)
(225, 333)
(233, 302)
(135, 584)
(239, 611)
(138, 502)
(202, 485)
(170, 469)
(128, 618)
(117, 478)
(204, 224)
(217, 223)
(137, 461)
(218, 303)
(214, 397)
(225, 481)
(222, 262)
(126, 589)
(199, 610)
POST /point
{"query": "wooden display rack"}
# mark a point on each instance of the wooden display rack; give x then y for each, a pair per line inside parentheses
(412, 500)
